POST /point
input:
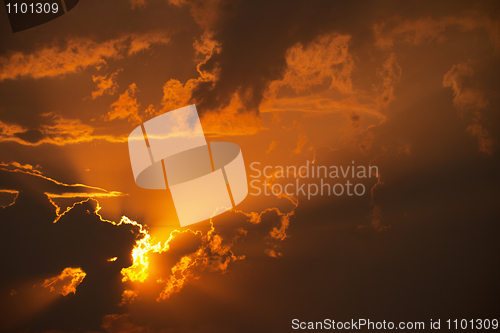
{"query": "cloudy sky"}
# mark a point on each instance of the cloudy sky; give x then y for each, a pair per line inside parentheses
(410, 88)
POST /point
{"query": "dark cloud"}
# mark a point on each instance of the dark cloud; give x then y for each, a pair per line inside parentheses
(30, 136)
(423, 244)
(38, 249)
(75, 40)
(35, 248)
(254, 37)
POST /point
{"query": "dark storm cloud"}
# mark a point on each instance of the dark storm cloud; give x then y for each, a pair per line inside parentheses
(254, 37)
(30, 136)
(438, 259)
(38, 248)
(34, 248)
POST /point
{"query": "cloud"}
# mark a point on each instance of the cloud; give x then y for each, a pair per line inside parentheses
(247, 63)
(272, 146)
(7, 130)
(176, 94)
(55, 130)
(465, 96)
(126, 107)
(327, 58)
(66, 282)
(231, 121)
(207, 253)
(425, 30)
(207, 14)
(68, 251)
(137, 3)
(12, 194)
(484, 139)
(302, 139)
(22, 178)
(468, 97)
(390, 73)
(105, 84)
(15, 176)
(314, 70)
(307, 46)
(76, 55)
(228, 120)
(190, 252)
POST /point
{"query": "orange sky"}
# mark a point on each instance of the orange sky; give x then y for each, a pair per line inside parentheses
(411, 88)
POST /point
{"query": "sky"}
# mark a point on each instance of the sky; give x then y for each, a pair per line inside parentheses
(409, 89)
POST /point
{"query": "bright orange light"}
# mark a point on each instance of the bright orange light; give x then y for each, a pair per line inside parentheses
(128, 296)
(67, 282)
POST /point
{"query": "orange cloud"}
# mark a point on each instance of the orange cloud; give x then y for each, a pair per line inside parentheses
(483, 137)
(229, 121)
(205, 13)
(15, 165)
(211, 252)
(128, 296)
(77, 55)
(224, 122)
(137, 3)
(419, 31)
(469, 98)
(126, 107)
(256, 218)
(60, 131)
(111, 194)
(66, 282)
(205, 46)
(390, 74)
(9, 130)
(272, 146)
(272, 253)
(52, 188)
(327, 59)
(464, 96)
(176, 94)
(302, 140)
(63, 131)
(212, 255)
(12, 201)
(30, 170)
(105, 84)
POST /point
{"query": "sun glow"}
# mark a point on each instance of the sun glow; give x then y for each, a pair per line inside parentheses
(213, 252)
